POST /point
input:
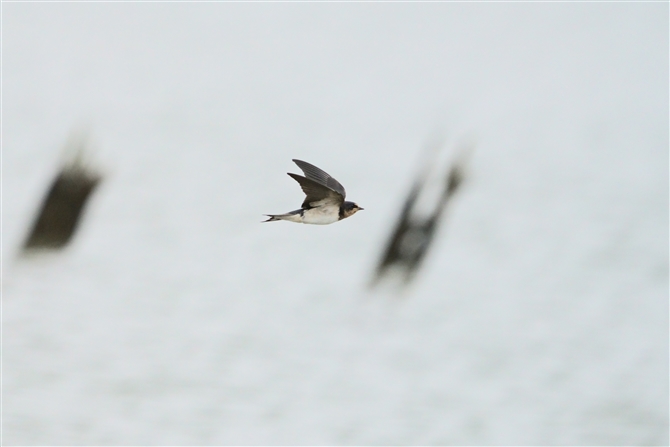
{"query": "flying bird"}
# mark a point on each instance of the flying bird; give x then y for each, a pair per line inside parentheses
(324, 202)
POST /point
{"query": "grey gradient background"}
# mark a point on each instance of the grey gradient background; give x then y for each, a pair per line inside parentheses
(175, 317)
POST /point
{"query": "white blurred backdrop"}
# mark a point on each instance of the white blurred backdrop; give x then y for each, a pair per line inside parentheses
(175, 317)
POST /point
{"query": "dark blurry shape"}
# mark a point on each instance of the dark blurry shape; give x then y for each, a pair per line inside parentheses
(62, 207)
(413, 234)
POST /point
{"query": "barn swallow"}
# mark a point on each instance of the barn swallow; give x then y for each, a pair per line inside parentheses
(324, 202)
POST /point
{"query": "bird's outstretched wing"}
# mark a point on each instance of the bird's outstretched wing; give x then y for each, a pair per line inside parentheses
(321, 177)
(317, 194)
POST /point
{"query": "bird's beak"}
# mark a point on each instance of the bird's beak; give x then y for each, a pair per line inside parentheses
(359, 208)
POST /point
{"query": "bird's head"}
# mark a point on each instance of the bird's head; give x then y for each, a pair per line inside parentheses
(349, 209)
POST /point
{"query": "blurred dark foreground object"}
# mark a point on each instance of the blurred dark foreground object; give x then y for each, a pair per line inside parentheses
(62, 207)
(413, 234)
